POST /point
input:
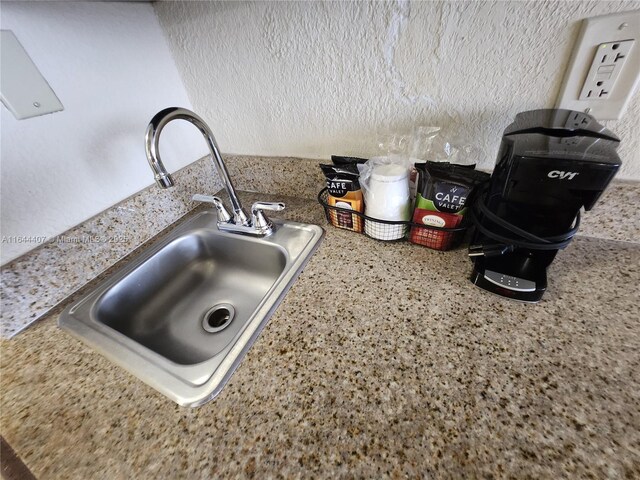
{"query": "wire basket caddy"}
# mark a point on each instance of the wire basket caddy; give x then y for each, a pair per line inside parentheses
(438, 238)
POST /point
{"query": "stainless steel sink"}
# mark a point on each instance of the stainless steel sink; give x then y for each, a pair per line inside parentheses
(182, 314)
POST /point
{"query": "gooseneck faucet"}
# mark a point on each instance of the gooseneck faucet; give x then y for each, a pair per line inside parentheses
(258, 224)
(164, 179)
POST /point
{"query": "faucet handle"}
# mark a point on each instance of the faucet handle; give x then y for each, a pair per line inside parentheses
(273, 206)
(259, 219)
(223, 214)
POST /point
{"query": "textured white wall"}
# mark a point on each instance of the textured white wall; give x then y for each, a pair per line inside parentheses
(312, 79)
(111, 67)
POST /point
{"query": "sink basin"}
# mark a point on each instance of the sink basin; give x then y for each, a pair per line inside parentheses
(182, 314)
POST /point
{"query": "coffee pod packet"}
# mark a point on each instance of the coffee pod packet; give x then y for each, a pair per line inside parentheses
(441, 201)
(341, 161)
(345, 192)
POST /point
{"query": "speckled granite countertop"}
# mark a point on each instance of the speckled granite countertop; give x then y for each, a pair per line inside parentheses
(383, 360)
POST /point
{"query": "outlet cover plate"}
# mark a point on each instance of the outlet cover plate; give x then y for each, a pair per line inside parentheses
(594, 32)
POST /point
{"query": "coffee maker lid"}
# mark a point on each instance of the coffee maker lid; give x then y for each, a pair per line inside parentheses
(559, 123)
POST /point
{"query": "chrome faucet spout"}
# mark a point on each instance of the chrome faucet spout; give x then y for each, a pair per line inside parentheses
(164, 179)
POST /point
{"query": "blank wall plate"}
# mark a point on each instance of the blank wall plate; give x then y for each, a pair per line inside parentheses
(23, 89)
(604, 70)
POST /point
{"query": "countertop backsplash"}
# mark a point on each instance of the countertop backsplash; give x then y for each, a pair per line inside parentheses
(42, 278)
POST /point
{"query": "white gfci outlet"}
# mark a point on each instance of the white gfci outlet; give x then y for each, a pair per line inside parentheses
(607, 64)
(604, 70)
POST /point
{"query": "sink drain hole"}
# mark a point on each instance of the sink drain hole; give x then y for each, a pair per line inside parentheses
(218, 318)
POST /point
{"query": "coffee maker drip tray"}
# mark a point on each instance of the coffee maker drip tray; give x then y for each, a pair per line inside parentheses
(518, 276)
(509, 281)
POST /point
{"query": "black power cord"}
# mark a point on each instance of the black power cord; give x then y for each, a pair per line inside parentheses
(521, 238)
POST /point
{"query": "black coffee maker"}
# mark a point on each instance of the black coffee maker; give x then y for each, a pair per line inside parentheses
(551, 163)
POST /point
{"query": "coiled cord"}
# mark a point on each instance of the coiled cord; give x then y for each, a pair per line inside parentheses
(521, 238)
